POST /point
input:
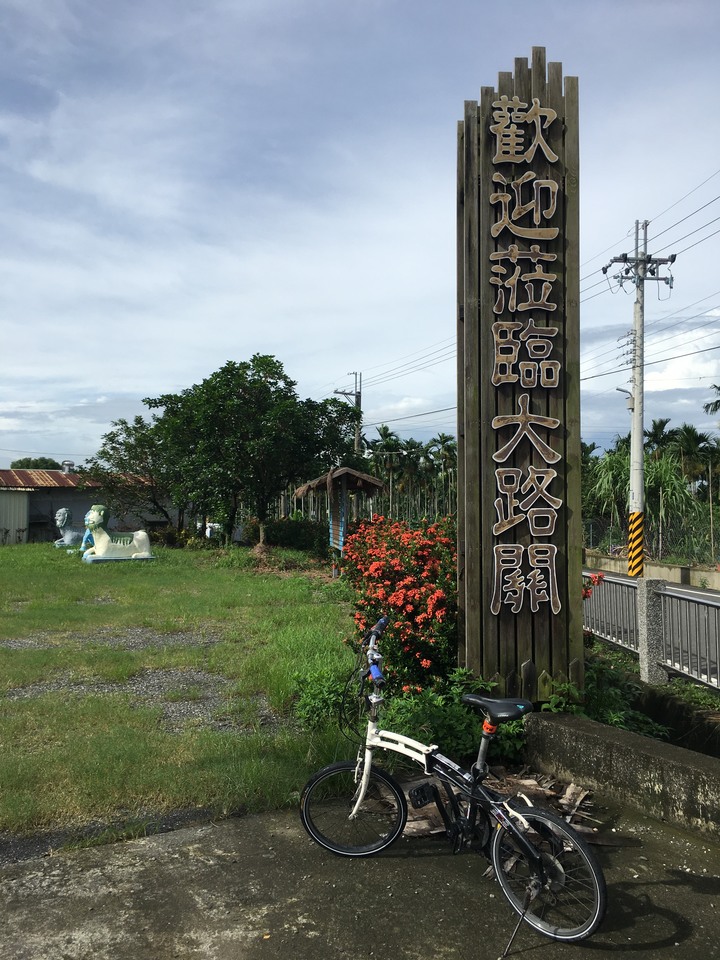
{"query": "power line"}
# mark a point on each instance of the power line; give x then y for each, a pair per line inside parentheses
(596, 357)
(694, 189)
(653, 219)
(692, 233)
(411, 416)
(652, 363)
(697, 244)
(43, 453)
(428, 360)
(678, 222)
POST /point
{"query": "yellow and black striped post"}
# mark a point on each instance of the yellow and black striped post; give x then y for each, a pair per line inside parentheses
(636, 545)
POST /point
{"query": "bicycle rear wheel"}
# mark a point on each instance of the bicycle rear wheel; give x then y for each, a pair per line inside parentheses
(572, 902)
(327, 802)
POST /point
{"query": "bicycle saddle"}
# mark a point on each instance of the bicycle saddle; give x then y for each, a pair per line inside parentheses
(498, 710)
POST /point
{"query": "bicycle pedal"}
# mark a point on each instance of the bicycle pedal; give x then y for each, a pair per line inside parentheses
(422, 795)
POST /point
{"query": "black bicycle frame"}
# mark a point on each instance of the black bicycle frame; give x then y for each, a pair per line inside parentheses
(479, 797)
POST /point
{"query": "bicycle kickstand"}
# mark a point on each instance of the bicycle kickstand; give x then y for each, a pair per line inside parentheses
(532, 890)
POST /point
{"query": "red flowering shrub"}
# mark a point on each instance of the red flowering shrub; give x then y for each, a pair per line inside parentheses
(591, 580)
(408, 575)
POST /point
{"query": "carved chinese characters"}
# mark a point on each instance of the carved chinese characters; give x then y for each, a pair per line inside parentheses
(523, 273)
(519, 132)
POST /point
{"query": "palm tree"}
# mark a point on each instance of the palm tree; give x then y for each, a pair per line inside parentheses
(385, 452)
(410, 475)
(442, 450)
(690, 445)
(657, 438)
(622, 444)
(713, 406)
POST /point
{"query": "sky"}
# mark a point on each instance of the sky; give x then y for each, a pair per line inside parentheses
(187, 182)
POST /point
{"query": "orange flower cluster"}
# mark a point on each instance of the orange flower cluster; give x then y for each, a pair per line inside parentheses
(410, 576)
(591, 580)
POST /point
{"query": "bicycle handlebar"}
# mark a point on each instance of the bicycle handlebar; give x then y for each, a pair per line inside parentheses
(374, 658)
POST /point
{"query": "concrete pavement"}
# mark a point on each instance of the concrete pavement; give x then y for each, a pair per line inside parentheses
(257, 887)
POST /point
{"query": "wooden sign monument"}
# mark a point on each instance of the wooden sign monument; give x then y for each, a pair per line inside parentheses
(519, 524)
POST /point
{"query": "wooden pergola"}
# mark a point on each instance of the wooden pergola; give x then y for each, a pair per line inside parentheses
(339, 483)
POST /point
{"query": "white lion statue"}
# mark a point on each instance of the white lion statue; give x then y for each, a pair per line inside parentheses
(132, 546)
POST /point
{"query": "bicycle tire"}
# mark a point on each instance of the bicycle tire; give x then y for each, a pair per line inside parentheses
(328, 798)
(572, 903)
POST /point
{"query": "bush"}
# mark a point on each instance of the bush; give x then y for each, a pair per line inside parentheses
(436, 718)
(609, 696)
(310, 535)
(318, 697)
(439, 716)
(410, 576)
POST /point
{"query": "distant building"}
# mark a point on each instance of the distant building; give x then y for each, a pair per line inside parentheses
(29, 500)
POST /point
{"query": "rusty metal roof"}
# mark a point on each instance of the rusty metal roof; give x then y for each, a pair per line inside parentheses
(42, 480)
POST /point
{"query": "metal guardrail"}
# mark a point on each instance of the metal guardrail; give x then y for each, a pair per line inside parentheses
(690, 626)
(691, 635)
(610, 612)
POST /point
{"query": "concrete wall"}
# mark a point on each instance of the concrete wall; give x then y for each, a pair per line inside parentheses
(665, 782)
(708, 577)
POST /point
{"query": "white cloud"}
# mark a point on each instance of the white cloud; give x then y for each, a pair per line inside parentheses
(184, 183)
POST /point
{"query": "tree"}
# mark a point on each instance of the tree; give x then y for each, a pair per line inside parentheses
(658, 438)
(139, 471)
(713, 406)
(442, 450)
(243, 435)
(35, 463)
(385, 451)
(238, 438)
(690, 444)
(412, 469)
(622, 444)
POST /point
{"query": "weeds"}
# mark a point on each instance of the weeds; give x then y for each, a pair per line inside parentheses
(611, 690)
(80, 758)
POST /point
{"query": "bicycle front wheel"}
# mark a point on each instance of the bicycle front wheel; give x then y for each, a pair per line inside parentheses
(571, 903)
(329, 799)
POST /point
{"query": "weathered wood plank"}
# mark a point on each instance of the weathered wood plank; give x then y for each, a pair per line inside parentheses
(572, 371)
(470, 385)
(555, 644)
(460, 326)
(485, 482)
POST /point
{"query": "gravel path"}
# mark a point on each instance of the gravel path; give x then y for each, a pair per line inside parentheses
(186, 697)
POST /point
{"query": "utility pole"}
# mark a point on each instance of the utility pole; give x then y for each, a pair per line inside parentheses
(637, 270)
(355, 395)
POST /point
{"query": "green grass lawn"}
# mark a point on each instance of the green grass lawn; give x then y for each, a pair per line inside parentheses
(70, 756)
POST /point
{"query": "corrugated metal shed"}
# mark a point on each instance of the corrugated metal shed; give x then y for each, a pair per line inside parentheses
(29, 500)
(42, 480)
(14, 516)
